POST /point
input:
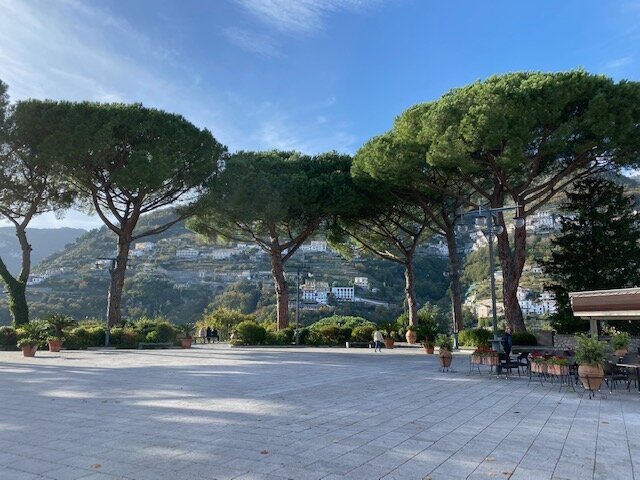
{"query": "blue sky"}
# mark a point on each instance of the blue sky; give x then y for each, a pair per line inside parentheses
(310, 75)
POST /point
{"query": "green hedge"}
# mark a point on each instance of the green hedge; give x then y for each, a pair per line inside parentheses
(250, 333)
(475, 337)
(524, 338)
(341, 321)
(363, 333)
(8, 337)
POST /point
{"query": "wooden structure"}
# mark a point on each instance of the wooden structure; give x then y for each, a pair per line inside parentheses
(619, 304)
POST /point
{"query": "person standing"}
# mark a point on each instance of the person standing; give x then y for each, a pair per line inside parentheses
(202, 333)
(377, 340)
(208, 334)
(214, 335)
(507, 341)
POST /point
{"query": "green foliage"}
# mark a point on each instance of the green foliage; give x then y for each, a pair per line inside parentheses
(523, 338)
(241, 296)
(85, 335)
(598, 247)
(333, 334)
(476, 337)
(444, 342)
(223, 318)
(620, 341)
(341, 321)
(57, 324)
(589, 351)
(363, 333)
(32, 333)
(8, 336)
(250, 333)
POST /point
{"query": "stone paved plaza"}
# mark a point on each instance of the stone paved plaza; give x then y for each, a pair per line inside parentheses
(213, 412)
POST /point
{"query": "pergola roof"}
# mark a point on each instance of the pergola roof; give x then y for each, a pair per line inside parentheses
(619, 304)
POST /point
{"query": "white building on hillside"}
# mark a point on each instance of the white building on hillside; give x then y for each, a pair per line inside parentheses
(187, 253)
(314, 246)
(315, 291)
(343, 294)
(361, 282)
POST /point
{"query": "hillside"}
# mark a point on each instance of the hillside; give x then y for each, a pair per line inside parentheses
(178, 273)
(45, 242)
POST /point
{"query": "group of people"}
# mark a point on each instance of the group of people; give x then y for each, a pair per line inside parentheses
(208, 335)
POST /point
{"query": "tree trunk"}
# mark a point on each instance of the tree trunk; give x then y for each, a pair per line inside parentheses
(282, 289)
(116, 287)
(454, 275)
(512, 263)
(410, 291)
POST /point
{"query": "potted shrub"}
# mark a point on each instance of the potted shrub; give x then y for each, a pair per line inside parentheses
(411, 334)
(56, 324)
(445, 346)
(388, 338)
(620, 343)
(30, 336)
(186, 330)
(590, 355)
(538, 363)
(557, 365)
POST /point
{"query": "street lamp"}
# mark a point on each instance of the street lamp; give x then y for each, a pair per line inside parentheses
(110, 262)
(485, 221)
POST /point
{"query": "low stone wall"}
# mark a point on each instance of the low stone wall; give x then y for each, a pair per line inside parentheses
(568, 341)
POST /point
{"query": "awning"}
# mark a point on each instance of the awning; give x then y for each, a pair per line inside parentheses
(619, 304)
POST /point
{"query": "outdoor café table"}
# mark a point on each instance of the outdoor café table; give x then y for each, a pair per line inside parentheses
(636, 367)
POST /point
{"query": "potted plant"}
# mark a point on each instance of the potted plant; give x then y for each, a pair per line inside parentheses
(557, 365)
(429, 330)
(538, 363)
(388, 338)
(590, 355)
(186, 330)
(30, 336)
(445, 346)
(56, 323)
(411, 334)
(620, 343)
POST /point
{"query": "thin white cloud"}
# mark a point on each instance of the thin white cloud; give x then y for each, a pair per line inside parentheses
(619, 62)
(253, 42)
(299, 16)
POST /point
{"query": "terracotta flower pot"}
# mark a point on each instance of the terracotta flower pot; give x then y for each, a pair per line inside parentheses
(55, 345)
(186, 342)
(429, 349)
(411, 336)
(388, 342)
(591, 376)
(29, 350)
(621, 352)
(445, 358)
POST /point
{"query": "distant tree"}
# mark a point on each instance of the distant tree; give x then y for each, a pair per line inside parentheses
(392, 230)
(397, 160)
(30, 184)
(597, 248)
(241, 296)
(276, 200)
(127, 161)
(521, 138)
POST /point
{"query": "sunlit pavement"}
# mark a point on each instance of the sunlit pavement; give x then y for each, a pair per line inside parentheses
(214, 412)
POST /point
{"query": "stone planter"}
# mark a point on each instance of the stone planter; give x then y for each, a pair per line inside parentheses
(591, 376)
(55, 345)
(29, 350)
(429, 349)
(445, 358)
(411, 336)
(186, 342)
(558, 370)
(388, 342)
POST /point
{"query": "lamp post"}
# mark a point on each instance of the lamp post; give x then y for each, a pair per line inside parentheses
(111, 266)
(485, 220)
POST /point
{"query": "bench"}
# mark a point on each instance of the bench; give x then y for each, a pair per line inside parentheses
(143, 345)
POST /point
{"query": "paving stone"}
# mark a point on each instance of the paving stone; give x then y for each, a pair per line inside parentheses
(272, 414)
